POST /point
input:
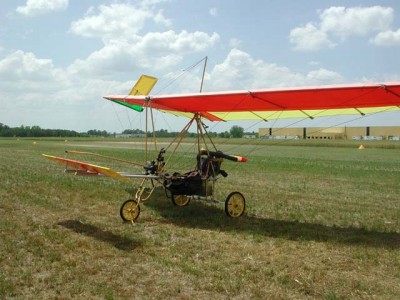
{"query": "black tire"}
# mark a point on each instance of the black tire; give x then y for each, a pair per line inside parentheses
(235, 204)
(180, 200)
(129, 210)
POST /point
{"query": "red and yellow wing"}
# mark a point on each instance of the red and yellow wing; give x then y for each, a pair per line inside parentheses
(267, 104)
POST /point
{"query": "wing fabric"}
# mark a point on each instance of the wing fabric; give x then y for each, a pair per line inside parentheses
(267, 104)
(82, 168)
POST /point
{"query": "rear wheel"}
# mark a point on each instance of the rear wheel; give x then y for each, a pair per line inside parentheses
(129, 211)
(180, 200)
(235, 205)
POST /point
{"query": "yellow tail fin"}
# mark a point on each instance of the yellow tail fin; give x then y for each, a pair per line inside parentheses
(143, 86)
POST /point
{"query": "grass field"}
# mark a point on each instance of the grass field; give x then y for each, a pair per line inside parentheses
(322, 221)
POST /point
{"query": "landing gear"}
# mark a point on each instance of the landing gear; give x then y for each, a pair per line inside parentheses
(235, 205)
(180, 200)
(130, 210)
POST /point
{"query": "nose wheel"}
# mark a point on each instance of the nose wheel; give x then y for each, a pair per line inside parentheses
(235, 205)
(130, 210)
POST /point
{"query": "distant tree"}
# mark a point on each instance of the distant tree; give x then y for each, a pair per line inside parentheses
(225, 134)
(133, 131)
(95, 132)
(236, 131)
(127, 131)
(36, 131)
(5, 131)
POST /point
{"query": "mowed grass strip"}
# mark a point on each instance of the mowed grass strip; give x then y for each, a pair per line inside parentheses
(320, 222)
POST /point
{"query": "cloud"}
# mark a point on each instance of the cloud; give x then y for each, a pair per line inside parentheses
(355, 21)
(387, 38)
(323, 76)
(153, 51)
(120, 28)
(22, 73)
(240, 71)
(150, 3)
(39, 7)
(116, 21)
(35, 92)
(235, 43)
(309, 38)
(213, 11)
(25, 66)
(341, 23)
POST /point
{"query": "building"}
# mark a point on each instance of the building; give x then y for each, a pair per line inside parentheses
(332, 133)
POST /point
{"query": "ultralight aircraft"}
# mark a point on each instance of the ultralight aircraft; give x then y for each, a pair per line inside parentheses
(199, 182)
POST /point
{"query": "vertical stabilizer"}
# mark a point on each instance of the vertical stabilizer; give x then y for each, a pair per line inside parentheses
(141, 88)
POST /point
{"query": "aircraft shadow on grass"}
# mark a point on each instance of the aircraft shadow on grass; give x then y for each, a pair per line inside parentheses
(97, 233)
(205, 216)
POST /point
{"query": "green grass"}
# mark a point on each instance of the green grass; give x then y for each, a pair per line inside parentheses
(322, 221)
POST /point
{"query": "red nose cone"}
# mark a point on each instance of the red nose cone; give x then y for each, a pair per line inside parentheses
(241, 158)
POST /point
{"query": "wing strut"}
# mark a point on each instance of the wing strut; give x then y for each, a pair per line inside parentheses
(359, 111)
(309, 116)
(257, 115)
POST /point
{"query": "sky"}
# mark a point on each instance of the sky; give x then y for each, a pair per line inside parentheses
(58, 58)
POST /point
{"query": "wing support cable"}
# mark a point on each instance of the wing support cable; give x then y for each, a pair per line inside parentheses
(202, 133)
(179, 137)
(265, 100)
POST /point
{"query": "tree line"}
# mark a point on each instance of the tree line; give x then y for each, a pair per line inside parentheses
(234, 132)
(36, 131)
